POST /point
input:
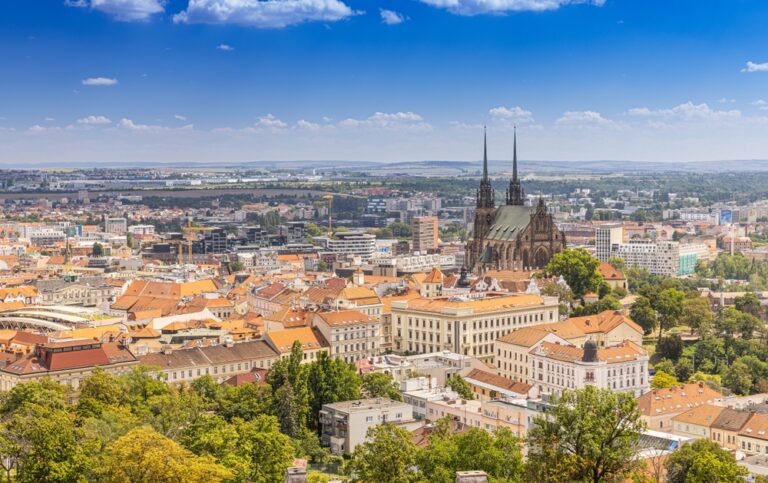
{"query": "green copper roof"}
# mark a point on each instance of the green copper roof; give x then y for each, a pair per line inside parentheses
(510, 220)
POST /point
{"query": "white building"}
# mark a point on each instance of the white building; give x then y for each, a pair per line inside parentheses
(142, 229)
(466, 325)
(557, 367)
(418, 262)
(356, 244)
(606, 238)
(345, 424)
(116, 226)
(662, 257)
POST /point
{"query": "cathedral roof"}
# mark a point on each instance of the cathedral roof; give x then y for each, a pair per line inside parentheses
(509, 221)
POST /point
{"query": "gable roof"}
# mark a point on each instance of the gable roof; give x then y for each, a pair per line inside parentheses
(704, 415)
(509, 222)
(676, 399)
(731, 420)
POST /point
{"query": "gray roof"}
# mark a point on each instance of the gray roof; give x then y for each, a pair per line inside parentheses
(205, 356)
(731, 419)
(510, 220)
(56, 284)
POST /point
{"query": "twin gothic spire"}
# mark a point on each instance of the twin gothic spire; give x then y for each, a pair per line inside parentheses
(515, 192)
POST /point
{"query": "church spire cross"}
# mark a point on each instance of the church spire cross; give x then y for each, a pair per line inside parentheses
(485, 196)
(515, 193)
(485, 154)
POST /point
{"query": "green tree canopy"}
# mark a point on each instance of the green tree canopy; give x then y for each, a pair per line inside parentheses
(590, 435)
(578, 268)
(703, 461)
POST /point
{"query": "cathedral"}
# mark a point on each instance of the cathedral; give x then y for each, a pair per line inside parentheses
(512, 236)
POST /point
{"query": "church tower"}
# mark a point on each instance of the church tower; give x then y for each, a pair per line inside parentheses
(515, 193)
(484, 210)
(485, 195)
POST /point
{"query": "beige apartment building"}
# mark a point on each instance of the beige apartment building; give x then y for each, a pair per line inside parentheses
(424, 233)
(351, 334)
(468, 325)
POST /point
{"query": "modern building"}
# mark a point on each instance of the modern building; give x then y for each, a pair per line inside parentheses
(116, 226)
(345, 424)
(662, 257)
(352, 243)
(424, 233)
(466, 325)
(607, 237)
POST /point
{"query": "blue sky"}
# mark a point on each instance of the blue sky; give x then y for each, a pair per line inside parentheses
(99, 81)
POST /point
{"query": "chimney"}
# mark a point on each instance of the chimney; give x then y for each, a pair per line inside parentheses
(471, 477)
(296, 474)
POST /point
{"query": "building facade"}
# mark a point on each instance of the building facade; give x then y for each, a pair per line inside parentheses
(466, 325)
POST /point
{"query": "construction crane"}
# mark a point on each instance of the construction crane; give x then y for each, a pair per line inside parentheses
(190, 234)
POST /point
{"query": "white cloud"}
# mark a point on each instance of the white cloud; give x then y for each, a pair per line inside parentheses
(583, 118)
(99, 81)
(130, 125)
(395, 121)
(309, 126)
(478, 7)
(47, 119)
(225, 47)
(38, 129)
(179, 117)
(263, 13)
(94, 120)
(123, 10)
(761, 104)
(687, 111)
(514, 114)
(390, 17)
(753, 67)
(271, 121)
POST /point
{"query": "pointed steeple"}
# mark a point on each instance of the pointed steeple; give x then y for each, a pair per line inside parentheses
(485, 154)
(485, 196)
(514, 154)
(515, 193)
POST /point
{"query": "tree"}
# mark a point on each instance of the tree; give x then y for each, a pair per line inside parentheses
(609, 302)
(236, 266)
(145, 456)
(330, 380)
(378, 384)
(578, 268)
(697, 313)
(498, 454)
(705, 461)
(98, 392)
(617, 263)
(670, 347)
(44, 393)
(98, 250)
(460, 385)
(387, 455)
(267, 451)
(749, 304)
(738, 378)
(47, 445)
(684, 369)
(662, 380)
(591, 434)
(644, 314)
(669, 306)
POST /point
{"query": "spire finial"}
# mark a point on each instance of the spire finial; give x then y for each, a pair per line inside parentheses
(485, 153)
(514, 153)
